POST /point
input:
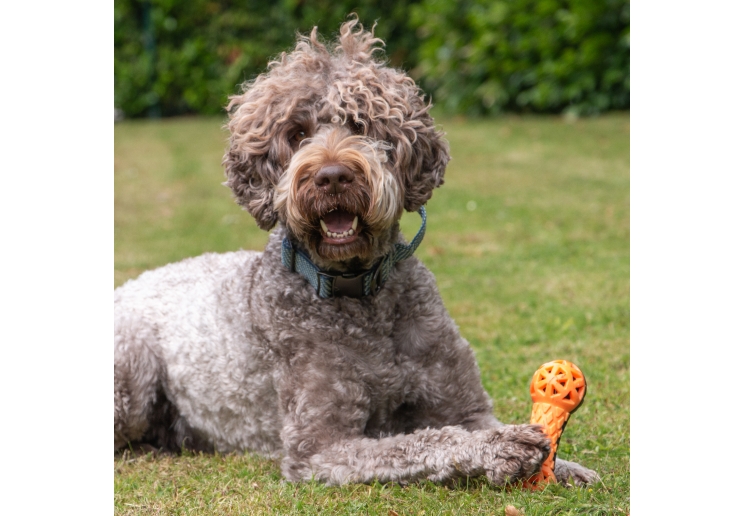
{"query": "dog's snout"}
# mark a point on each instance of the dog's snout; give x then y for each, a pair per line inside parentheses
(333, 178)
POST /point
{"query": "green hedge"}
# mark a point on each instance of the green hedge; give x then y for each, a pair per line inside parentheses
(475, 56)
(485, 56)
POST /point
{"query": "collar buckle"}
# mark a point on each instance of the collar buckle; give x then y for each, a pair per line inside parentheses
(345, 284)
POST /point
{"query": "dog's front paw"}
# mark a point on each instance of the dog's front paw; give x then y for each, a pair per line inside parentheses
(515, 452)
(565, 470)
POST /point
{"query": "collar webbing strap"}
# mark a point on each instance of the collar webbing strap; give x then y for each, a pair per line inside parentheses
(365, 283)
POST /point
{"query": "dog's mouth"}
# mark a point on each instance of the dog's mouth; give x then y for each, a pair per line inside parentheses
(339, 227)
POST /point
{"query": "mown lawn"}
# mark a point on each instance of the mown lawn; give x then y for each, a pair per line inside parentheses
(529, 241)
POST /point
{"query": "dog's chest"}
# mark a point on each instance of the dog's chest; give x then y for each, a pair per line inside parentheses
(348, 342)
(352, 337)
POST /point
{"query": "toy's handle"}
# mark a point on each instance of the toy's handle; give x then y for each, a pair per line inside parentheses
(557, 389)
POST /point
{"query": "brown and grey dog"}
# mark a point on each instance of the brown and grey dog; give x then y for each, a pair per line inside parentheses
(332, 348)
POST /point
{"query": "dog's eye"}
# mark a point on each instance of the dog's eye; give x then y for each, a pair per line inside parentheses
(297, 137)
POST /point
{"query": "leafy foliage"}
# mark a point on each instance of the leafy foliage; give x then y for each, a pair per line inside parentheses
(474, 56)
(187, 57)
(484, 56)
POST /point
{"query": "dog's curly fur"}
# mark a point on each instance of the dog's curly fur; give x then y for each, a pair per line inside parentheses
(235, 352)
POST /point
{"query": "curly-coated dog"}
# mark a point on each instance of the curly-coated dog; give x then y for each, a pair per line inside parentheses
(331, 349)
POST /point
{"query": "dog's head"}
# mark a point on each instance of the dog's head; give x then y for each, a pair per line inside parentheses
(335, 145)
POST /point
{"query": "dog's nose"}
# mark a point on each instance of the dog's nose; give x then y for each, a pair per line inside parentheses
(333, 179)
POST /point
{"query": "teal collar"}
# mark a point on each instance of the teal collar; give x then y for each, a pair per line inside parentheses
(364, 283)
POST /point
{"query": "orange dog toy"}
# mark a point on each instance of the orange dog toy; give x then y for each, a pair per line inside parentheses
(557, 389)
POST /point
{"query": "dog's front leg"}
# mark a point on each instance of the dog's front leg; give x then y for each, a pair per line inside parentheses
(324, 439)
(503, 454)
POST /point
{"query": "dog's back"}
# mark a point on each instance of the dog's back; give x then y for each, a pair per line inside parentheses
(192, 316)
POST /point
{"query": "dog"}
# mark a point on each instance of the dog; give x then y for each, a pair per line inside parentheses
(332, 349)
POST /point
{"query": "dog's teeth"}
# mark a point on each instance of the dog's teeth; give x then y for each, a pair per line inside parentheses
(354, 224)
(333, 234)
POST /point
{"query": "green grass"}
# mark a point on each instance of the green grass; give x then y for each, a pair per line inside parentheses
(529, 241)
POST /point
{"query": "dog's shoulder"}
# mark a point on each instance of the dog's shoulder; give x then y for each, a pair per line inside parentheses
(199, 272)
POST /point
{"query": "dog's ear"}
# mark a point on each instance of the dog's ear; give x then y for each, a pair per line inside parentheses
(420, 151)
(429, 158)
(250, 163)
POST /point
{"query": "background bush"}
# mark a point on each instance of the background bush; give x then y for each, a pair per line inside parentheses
(472, 56)
(484, 56)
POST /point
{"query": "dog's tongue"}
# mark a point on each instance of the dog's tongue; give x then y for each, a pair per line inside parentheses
(338, 221)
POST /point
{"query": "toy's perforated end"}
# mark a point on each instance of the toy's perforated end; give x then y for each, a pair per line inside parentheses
(559, 383)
